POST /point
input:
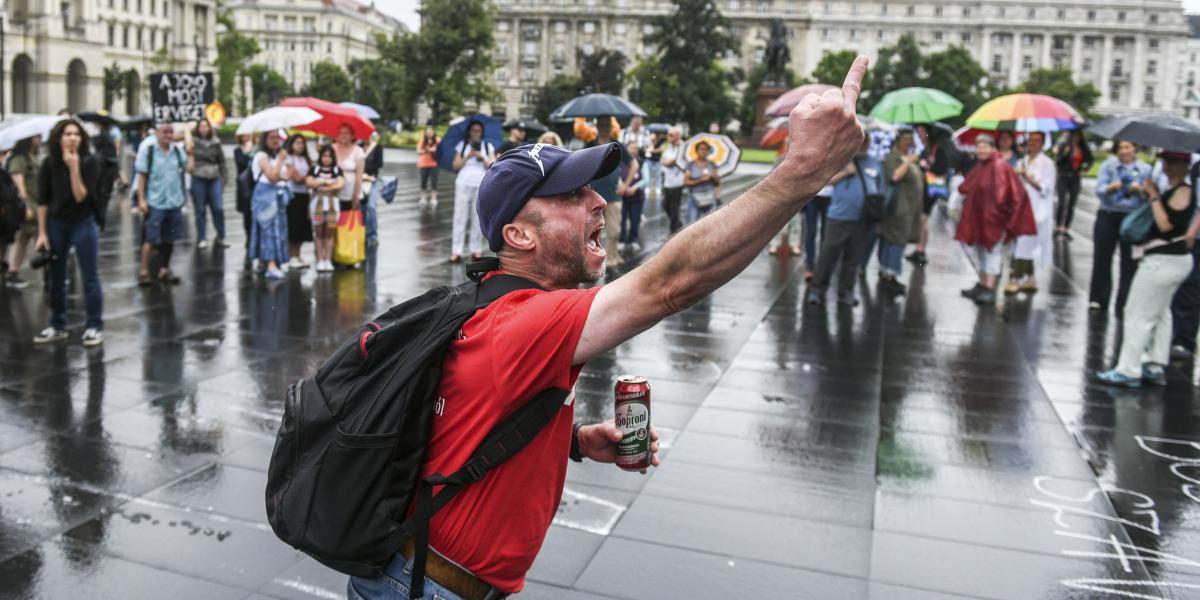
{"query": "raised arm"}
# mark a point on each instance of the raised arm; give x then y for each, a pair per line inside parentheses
(825, 135)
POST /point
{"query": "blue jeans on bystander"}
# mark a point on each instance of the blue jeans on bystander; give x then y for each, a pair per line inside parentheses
(393, 584)
(206, 194)
(84, 236)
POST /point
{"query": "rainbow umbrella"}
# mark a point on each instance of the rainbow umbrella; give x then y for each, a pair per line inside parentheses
(1026, 112)
(784, 104)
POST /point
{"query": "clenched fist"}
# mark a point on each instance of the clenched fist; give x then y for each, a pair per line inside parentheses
(824, 130)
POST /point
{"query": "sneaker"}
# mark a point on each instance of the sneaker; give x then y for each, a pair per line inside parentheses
(971, 293)
(815, 298)
(1113, 378)
(220, 243)
(985, 297)
(620, 246)
(1012, 288)
(1178, 352)
(202, 244)
(326, 266)
(1153, 374)
(92, 337)
(637, 247)
(918, 258)
(15, 282)
(50, 334)
(296, 263)
(892, 285)
(847, 299)
(1029, 285)
(1095, 307)
(275, 274)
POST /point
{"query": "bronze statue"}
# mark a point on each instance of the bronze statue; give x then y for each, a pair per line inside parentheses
(777, 56)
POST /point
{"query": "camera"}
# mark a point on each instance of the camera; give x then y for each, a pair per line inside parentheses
(477, 146)
(42, 258)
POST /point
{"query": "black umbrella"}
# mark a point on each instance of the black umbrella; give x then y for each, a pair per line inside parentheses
(101, 118)
(597, 105)
(532, 127)
(133, 122)
(1160, 131)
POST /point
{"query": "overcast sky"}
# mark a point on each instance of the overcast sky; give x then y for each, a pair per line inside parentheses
(406, 10)
(1191, 6)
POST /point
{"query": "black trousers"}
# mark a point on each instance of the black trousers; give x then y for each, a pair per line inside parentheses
(1185, 307)
(1106, 237)
(1068, 196)
(845, 241)
(672, 198)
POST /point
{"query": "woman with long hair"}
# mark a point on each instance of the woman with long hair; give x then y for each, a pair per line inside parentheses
(299, 222)
(268, 205)
(23, 167)
(206, 164)
(67, 219)
(427, 165)
(472, 158)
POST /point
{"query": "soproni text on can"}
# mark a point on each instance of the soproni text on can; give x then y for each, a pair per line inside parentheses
(633, 419)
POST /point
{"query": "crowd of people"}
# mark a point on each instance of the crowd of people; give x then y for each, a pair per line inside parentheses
(287, 197)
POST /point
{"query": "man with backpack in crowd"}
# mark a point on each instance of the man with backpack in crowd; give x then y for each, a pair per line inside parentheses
(160, 194)
(491, 514)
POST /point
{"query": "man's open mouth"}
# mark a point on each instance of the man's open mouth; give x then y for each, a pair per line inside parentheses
(593, 242)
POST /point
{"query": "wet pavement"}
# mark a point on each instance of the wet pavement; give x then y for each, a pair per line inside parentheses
(918, 448)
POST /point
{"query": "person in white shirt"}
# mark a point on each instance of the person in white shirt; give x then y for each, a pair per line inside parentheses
(472, 157)
(672, 168)
(1038, 173)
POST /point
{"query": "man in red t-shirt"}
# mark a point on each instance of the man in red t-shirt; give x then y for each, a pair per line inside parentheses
(545, 224)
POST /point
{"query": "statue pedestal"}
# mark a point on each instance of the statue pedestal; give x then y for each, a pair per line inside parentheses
(763, 98)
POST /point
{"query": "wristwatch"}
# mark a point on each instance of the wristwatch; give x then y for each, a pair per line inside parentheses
(576, 454)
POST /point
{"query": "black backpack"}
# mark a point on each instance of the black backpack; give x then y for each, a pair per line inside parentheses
(12, 208)
(347, 460)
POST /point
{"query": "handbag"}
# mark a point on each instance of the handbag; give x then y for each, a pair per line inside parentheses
(350, 239)
(1136, 226)
(874, 208)
(388, 192)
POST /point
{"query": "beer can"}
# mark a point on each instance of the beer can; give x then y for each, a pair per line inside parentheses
(633, 419)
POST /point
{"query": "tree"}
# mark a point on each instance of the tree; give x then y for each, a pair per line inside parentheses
(957, 73)
(330, 82)
(381, 85)
(688, 42)
(1058, 82)
(652, 88)
(449, 60)
(898, 66)
(267, 85)
(832, 68)
(554, 94)
(234, 52)
(603, 71)
(116, 83)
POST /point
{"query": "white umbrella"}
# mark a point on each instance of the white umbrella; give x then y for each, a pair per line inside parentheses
(27, 128)
(722, 152)
(278, 117)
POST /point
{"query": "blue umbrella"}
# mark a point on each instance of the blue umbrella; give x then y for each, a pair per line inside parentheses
(364, 111)
(597, 105)
(493, 133)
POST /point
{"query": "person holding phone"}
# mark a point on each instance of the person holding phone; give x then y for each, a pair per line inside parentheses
(472, 157)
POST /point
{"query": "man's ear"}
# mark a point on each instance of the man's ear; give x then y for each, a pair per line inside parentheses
(518, 235)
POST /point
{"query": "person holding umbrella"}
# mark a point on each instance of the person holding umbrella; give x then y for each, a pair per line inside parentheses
(1038, 174)
(702, 181)
(1074, 159)
(516, 136)
(1165, 262)
(902, 222)
(472, 158)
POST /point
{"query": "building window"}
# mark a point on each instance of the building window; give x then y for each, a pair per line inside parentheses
(1031, 13)
(881, 35)
(1027, 63)
(328, 47)
(1091, 15)
(153, 6)
(560, 27)
(139, 38)
(910, 10)
(1087, 65)
(1121, 16)
(619, 29)
(1152, 67)
(502, 50)
(854, 34)
(734, 5)
(997, 63)
(825, 33)
(966, 12)
(588, 49)
(125, 37)
(1153, 44)
(937, 36)
(1115, 94)
(154, 39)
(270, 23)
(1148, 95)
(139, 6)
(501, 75)
(1089, 42)
(1062, 14)
(1117, 67)
(1154, 19)
(825, 8)
(310, 24)
(112, 35)
(966, 38)
(937, 11)
(531, 49)
(883, 8)
(502, 26)
(589, 27)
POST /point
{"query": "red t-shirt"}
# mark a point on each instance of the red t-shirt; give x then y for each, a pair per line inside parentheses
(518, 346)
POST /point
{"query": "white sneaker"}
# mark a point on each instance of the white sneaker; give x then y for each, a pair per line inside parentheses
(202, 244)
(295, 263)
(50, 334)
(620, 246)
(93, 337)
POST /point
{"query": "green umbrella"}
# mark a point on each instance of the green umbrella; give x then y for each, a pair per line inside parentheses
(916, 105)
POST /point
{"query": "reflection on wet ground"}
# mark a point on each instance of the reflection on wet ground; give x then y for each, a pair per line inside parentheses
(918, 448)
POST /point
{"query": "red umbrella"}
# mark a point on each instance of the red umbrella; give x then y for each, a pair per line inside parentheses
(776, 133)
(785, 103)
(333, 116)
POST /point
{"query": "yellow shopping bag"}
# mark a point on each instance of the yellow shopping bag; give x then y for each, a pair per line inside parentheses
(350, 239)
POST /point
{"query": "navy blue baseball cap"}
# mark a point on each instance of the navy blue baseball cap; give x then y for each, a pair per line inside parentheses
(536, 170)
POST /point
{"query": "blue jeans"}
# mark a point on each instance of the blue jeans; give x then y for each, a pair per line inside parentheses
(370, 219)
(814, 219)
(891, 257)
(207, 193)
(84, 236)
(393, 584)
(162, 225)
(631, 219)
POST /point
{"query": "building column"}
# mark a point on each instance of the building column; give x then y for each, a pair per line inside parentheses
(546, 41)
(985, 55)
(1137, 72)
(1047, 43)
(1014, 68)
(1106, 71)
(1077, 57)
